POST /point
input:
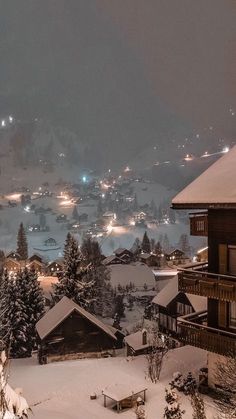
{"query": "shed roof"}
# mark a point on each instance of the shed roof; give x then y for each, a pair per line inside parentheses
(60, 312)
(213, 188)
(134, 340)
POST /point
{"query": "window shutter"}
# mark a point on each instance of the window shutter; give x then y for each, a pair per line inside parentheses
(222, 313)
(223, 258)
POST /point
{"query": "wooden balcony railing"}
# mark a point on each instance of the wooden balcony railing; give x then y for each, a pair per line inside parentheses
(208, 338)
(198, 224)
(206, 284)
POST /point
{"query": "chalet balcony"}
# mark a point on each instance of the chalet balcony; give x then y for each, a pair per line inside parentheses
(198, 224)
(193, 330)
(206, 284)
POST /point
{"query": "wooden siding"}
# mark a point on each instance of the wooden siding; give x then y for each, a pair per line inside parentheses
(207, 338)
(221, 231)
(75, 335)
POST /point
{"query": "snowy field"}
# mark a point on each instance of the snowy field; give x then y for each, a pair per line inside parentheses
(62, 390)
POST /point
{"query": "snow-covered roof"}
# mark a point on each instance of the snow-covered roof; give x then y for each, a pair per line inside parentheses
(164, 272)
(175, 250)
(135, 341)
(170, 291)
(204, 249)
(110, 259)
(198, 303)
(59, 261)
(214, 187)
(12, 255)
(145, 255)
(60, 312)
(121, 391)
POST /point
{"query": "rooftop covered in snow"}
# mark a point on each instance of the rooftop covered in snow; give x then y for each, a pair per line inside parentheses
(214, 188)
(170, 291)
(60, 312)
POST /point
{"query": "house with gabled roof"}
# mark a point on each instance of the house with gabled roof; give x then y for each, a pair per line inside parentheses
(68, 331)
(170, 303)
(112, 260)
(124, 254)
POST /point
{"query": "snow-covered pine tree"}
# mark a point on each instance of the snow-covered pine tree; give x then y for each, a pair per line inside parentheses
(146, 246)
(74, 283)
(4, 300)
(91, 252)
(32, 295)
(136, 248)
(67, 245)
(85, 291)
(119, 307)
(22, 245)
(14, 320)
(198, 406)
(173, 409)
(101, 292)
(68, 283)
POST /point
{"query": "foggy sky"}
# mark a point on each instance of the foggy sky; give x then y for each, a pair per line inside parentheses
(119, 73)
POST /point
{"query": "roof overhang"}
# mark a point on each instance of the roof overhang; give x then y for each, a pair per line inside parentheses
(203, 205)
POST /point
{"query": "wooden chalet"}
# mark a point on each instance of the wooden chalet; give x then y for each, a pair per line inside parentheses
(55, 267)
(170, 303)
(36, 263)
(67, 331)
(35, 257)
(12, 265)
(124, 254)
(149, 259)
(177, 257)
(215, 192)
(112, 260)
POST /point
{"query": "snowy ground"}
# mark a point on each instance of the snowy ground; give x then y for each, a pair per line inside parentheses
(61, 390)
